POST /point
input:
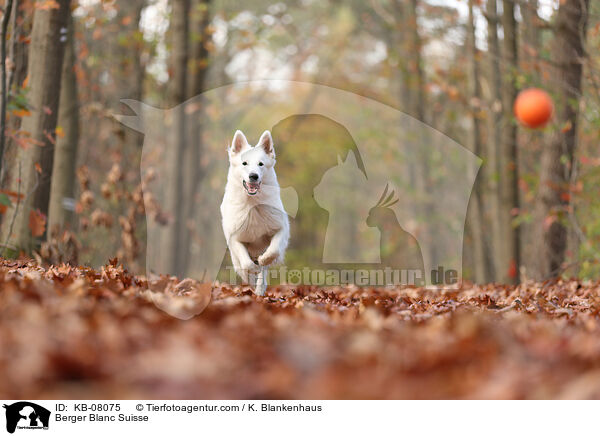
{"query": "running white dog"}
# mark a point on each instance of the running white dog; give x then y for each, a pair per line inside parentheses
(255, 223)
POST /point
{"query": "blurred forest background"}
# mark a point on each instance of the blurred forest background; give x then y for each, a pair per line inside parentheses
(71, 184)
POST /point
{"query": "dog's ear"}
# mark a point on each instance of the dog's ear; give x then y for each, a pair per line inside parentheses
(238, 143)
(266, 142)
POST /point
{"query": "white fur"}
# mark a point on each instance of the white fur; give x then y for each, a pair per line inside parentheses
(256, 226)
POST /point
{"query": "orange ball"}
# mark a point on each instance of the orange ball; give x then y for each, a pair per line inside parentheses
(533, 107)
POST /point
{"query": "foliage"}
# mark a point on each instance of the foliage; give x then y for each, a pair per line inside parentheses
(102, 329)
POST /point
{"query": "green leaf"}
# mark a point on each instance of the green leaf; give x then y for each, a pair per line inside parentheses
(5, 199)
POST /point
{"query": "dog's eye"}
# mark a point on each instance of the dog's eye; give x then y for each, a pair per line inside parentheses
(244, 163)
(260, 164)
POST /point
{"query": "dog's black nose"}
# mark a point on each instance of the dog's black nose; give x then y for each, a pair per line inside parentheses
(253, 177)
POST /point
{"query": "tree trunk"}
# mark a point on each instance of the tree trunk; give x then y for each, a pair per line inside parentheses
(35, 163)
(532, 140)
(20, 27)
(200, 19)
(4, 101)
(174, 199)
(129, 76)
(475, 206)
(200, 38)
(531, 40)
(128, 70)
(553, 200)
(492, 169)
(509, 174)
(415, 89)
(18, 53)
(396, 35)
(62, 188)
(416, 75)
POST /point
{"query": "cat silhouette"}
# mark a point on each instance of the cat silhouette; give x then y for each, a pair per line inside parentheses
(343, 192)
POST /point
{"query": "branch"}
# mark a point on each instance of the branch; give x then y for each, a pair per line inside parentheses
(382, 13)
(13, 44)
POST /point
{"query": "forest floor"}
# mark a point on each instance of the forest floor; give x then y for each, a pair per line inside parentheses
(72, 332)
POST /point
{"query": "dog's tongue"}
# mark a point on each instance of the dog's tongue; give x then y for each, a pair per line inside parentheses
(253, 187)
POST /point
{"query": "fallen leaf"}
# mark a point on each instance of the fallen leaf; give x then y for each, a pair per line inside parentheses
(37, 223)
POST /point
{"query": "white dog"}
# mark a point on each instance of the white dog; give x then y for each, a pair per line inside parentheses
(255, 223)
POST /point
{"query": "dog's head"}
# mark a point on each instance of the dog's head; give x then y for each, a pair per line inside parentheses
(250, 164)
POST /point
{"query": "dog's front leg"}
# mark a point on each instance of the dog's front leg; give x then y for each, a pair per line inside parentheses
(242, 262)
(261, 280)
(276, 248)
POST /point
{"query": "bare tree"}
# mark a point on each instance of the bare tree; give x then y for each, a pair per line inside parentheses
(130, 73)
(416, 74)
(509, 174)
(553, 201)
(494, 136)
(200, 40)
(415, 91)
(174, 200)
(531, 37)
(475, 206)
(62, 187)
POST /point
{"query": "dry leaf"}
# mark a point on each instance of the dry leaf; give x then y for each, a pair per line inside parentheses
(37, 223)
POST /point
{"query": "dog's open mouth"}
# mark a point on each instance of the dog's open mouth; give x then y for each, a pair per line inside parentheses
(252, 188)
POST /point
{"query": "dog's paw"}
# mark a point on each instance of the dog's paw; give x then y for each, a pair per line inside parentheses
(267, 258)
(250, 267)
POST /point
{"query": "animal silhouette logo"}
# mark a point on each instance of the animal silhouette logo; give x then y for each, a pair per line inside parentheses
(344, 191)
(399, 249)
(312, 125)
(315, 142)
(26, 415)
(358, 233)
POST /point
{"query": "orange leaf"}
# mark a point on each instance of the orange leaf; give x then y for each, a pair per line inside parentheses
(60, 132)
(38, 167)
(548, 221)
(47, 5)
(12, 194)
(21, 112)
(37, 223)
(512, 269)
(567, 126)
